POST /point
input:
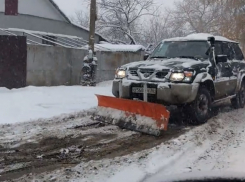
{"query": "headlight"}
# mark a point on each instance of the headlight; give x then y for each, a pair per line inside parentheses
(188, 76)
(120, 73)
(176, 77)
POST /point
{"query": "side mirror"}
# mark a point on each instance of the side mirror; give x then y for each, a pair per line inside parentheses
(211, 40)
(221, 58)
(146, 56)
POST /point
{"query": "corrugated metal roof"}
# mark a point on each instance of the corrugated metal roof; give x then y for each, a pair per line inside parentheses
(117, 47)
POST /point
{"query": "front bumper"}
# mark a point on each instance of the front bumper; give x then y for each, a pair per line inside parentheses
(167, 93)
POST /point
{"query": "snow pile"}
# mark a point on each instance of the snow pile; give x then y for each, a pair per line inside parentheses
(14, 135)
(25, 104)
(117, 116)
(105, 84)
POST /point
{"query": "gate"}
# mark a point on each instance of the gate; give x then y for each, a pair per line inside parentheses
(13, 56)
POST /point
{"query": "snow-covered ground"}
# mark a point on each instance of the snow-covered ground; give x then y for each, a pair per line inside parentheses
(217, 146)
(25, 104)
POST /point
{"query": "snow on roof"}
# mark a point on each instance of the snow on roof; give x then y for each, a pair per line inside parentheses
(60, 11)
(75, 24)
(199, 36)
(72, 23)
(118, 47)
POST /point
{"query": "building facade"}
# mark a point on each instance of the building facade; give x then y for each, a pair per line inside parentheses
(39, 15)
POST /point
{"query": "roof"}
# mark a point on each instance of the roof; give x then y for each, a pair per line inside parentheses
(69, 21)
(199, 36)
(60, 11)
(117, 47)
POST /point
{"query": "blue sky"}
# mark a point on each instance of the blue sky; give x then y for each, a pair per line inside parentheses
(71, 6)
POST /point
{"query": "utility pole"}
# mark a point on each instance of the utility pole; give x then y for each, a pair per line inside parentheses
(88, 73)
(93, 18)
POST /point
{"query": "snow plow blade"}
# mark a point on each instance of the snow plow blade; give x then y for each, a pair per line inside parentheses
(144, 117)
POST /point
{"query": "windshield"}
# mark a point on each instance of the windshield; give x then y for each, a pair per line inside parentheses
(181, 49)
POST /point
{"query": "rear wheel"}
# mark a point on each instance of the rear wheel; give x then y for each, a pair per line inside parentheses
(242, 95)
(199, 111)
(235, 102)
(239, 100)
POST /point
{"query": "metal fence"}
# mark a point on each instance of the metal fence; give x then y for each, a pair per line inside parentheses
(46, 38)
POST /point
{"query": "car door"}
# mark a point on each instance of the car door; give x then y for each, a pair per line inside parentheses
(237, 64)
(228, 49)
(223, 73)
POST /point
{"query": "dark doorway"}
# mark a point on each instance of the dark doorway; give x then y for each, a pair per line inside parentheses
(13, 56)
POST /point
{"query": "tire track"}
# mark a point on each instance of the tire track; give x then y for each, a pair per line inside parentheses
(212, 157)
(46, 145)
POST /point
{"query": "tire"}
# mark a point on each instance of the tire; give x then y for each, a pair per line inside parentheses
(235, 102)
(242, 95)
(200, 110)
(239, 100)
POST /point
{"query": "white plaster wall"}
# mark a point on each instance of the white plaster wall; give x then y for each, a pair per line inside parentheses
(40, 8)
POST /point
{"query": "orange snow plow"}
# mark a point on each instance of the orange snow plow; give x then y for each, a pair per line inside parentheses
(144, 117)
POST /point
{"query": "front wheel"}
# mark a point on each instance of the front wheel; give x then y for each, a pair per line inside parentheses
(199, 110)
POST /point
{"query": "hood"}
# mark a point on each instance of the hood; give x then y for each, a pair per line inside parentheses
(168, 64)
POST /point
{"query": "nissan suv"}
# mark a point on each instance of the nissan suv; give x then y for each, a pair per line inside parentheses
(191, 72)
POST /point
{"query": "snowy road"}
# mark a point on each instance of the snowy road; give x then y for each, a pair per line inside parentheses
(75, 147)
(111, 154)
(48, 144)
(217, 145)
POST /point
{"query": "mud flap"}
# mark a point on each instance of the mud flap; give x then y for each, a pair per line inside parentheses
(158, 115)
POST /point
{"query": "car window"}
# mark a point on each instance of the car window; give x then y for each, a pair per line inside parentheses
(175, 49)
(228, 50)
(218, 48)
(238, 52)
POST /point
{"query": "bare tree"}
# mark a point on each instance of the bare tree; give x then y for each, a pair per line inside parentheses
(121, 19)
(81, 18)
(156, 29)
(233, 20)
(195, 16)
(159, 27)
(139, 21)
(223, 17)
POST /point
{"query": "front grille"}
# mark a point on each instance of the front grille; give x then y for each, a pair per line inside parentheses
(150, 71)
(133, 72)
(161, 74)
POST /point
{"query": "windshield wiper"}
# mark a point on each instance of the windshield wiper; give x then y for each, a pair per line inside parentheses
(159, 57)
(191, 57)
